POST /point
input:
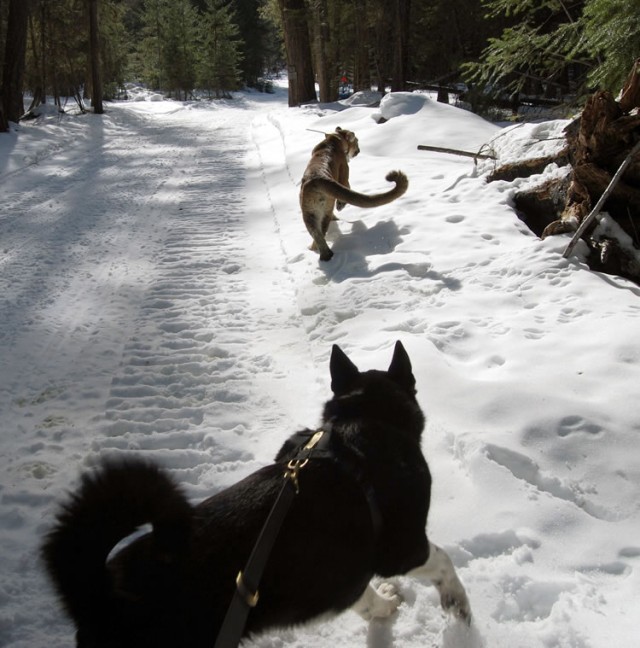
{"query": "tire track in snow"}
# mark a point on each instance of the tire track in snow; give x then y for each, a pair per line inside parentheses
(186, 358)
(82, 263)
(163, 323)
(208, 371)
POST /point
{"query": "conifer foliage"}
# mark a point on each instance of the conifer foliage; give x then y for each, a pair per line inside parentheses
(169, 46)
(219, 56)
(612, 36)
(559, 45)
(87, 49)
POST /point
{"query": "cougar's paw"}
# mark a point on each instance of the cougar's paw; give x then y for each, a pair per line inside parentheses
(326, 256)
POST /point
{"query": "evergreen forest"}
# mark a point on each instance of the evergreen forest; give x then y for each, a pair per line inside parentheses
(494, 51)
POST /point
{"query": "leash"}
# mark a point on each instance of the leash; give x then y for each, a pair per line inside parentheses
(246, 594)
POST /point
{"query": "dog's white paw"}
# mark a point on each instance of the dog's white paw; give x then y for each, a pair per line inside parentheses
(389, 598)
(439, 569)
(378, 602)
(454, 599)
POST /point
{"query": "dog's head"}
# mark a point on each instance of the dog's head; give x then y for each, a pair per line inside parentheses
(349, 137)
(345, 376)
(382, 395)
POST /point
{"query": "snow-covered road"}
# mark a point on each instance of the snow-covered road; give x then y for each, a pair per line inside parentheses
(132, 306)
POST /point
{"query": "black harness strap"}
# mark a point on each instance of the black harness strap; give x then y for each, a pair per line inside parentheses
(246, 593)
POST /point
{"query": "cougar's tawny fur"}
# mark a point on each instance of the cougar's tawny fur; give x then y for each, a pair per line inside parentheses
(326, 182)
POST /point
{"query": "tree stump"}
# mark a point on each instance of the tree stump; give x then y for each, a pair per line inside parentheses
(597, 143)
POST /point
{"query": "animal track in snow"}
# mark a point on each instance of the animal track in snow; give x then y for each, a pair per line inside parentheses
(577, 425)
(527, 600)
(491, 545)
(526, 469)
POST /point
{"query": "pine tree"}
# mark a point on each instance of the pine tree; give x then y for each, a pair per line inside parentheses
(11, 108)
(179, 47)
(220, 56)
(94, 58)
(612, 38)
(256, 35)
(457, 32)
(169, 45)
(149, 51)
(115, 48)
(534, 52)
(58, 46)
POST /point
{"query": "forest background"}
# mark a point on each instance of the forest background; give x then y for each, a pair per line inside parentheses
(502, 52)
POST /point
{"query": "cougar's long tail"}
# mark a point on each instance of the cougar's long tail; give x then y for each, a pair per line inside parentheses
(110, 504)
(337, 191)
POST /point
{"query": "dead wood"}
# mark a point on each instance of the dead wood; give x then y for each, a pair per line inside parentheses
(614, 186)
(440, 149)
(630, 95)
(526, 168)
(602, 152)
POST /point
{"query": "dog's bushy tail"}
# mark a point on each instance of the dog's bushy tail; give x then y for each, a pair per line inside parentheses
(110, 504)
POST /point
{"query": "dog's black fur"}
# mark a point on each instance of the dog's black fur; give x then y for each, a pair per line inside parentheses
(172, 587)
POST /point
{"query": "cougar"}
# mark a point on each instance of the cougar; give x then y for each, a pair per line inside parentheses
(325, 184)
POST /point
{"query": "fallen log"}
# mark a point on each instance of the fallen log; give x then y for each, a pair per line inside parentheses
(586, 222)
(527, 168)
(602, 153)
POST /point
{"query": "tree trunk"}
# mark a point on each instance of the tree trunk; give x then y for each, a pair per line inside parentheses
(96, 81)
(14, 62)
(630, 95)
(325, 63)
(402, 10)
(361, 66)
(296, 40)
(37, 48)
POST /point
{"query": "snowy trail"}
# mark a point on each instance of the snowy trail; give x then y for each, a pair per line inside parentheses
(142, 284)
(199, 343)
(191, 318)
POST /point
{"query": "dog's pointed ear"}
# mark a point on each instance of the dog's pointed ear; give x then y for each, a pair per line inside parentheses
(400, 368)
(343, 372)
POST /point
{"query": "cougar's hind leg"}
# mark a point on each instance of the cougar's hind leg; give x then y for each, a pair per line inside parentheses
(318, 235)
(326, 221)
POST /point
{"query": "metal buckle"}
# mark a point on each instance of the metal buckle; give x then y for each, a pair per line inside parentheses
(251, 599)
(293, 468)
(313, 441)
(296, 465)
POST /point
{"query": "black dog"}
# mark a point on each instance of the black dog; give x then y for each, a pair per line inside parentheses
(361, 511)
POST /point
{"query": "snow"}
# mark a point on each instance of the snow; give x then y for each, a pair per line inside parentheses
(158, 297)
